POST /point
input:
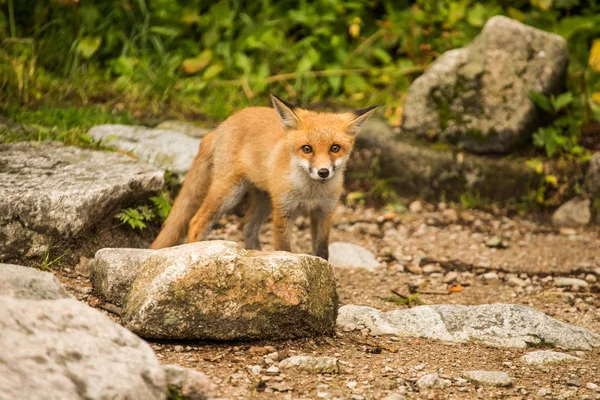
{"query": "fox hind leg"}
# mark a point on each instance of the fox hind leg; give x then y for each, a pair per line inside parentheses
(259, 211)
(222, 196)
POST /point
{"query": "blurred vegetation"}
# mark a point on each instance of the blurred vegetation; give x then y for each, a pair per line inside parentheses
(206, 58)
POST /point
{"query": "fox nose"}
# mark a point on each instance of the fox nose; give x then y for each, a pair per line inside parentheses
(323, 173)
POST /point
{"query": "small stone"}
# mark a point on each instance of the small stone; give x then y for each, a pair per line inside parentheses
(415, 269)
(548, 357)
(543, 392)
(564, 282)
(574, 213)
(573, 383)
(192, 384)
(415, 207)
(567, 231)
(272, 370)
(255, 369)
(357, 397)
(450, 277)
(323, 395)
(591, 386)
(319, 365)
(450, 215)
(352, 384)
(591, 278)
(280, 387)
(432, 381)
(490, 276)
(517, 282)
(178, 348)
(496, 242)
(431, 268)
(489, 378)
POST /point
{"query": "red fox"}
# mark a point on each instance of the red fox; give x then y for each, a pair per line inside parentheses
(286, 158)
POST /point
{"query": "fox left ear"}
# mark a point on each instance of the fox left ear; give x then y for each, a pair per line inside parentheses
(360, 116)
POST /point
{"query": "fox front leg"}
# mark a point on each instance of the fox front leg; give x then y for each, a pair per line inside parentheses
(320, 226)
(282, 229)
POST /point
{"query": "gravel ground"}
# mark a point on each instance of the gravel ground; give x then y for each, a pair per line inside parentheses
(435, 255)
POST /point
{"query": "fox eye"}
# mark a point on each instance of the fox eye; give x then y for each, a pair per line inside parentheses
(335, 148)
(307, 149)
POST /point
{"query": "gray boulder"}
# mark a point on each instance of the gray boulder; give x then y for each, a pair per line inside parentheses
(166, 149)
(217, 290)
(29, 283)
(477, 96)
(53, 192)
(342, 254)
(63, 349)
(592, 178)
(505, 325)
(574, 213)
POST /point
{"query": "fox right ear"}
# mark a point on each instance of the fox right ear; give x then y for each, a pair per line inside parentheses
(288, 117)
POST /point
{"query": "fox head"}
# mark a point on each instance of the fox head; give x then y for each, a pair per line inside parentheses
(321, 143)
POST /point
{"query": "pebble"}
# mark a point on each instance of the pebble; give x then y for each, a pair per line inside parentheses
(563, 282)
(323, 395)
(415, 207)
(178, 348)
(548, 357)
(255, 369)
(450, 277)
(490, 378)
(432, 381)
(431, 268)
(490, 276)
(543, 392)
(517, 282)
(573, 382)
(272, 370)
(357, 397)
(591, 278)
(591, 386)
(352, 384)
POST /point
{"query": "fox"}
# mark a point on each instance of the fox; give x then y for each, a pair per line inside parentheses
(286, 158)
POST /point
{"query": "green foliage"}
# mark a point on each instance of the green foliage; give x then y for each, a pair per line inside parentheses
(399, 299)
(562, 135)
(49, 259)
(162, 204)
(65, 124)
(157, 211)
(136, 217)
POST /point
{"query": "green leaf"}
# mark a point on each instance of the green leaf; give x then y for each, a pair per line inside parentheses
(561, 101)
(88, 45)
(165, 31)
(197, 64)
(477, 15)
(212, 71)
(540, 100)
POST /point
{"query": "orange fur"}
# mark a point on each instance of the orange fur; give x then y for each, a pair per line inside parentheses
(262, 150)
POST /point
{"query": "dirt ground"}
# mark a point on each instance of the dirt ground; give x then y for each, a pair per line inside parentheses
(481, 257)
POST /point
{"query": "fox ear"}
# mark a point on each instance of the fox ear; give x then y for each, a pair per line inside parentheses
(359, 117)
(288, 117)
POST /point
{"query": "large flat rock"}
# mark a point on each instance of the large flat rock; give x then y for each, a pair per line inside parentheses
(218, 290)
(167, 149)
(52, 192)
(63, 349)
(477, 96)
(506, 325)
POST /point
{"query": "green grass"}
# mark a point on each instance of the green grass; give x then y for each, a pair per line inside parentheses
(63, 124)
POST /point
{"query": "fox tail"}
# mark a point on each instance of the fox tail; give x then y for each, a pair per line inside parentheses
(189, 199)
